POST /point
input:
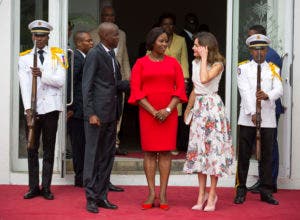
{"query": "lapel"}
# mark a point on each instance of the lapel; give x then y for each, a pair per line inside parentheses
(108, 61)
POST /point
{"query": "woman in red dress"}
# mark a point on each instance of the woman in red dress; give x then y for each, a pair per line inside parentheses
(157, 86)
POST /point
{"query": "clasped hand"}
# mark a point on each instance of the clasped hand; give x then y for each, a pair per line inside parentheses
(161, 115)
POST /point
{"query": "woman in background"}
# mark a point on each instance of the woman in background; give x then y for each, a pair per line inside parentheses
(157, 86)
(210, 150)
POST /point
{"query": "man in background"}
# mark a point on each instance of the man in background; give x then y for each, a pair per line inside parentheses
(83, 43)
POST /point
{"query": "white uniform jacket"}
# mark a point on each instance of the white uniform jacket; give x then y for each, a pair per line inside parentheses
(270, 84)
(49, 85)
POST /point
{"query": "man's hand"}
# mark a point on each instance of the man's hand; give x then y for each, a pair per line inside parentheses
(29, 117)
(261, 95)
(70, 114)
(94, 120)
(36, 71)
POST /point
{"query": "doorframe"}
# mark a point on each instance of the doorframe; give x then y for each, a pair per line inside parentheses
(58, 17)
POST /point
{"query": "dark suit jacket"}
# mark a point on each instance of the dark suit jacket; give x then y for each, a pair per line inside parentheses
(77, 105)
(101, 87)
(189, 45)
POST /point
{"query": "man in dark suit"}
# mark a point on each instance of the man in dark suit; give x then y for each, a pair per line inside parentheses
(83, 43)
(102, 88)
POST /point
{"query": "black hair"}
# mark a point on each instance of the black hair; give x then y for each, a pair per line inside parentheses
(259, 29)
(167, 15)
(152, 35)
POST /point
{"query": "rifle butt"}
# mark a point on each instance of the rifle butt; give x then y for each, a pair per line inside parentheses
(30, 141)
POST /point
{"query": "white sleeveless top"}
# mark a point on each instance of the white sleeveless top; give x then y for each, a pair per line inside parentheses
(207, 88)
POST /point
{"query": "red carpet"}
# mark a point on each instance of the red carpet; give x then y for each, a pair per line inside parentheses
(140, 155)
(69, 203)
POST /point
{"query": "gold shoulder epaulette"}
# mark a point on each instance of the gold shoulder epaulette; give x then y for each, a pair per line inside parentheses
(243, 62)
(273, 70)
(56, 50)
(25, 52)
(59, 55)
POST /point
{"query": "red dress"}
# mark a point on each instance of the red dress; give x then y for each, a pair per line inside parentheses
(158, 82)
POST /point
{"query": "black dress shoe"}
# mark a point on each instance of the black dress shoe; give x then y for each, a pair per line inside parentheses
(120, 152)
(240, 196)
(92, 207)
(254, 187)
(47, 194)
(106, 204)
(268, 198)
(114, 188)
(32, 193)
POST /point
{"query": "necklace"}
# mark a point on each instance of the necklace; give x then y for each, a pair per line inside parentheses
(156, 59)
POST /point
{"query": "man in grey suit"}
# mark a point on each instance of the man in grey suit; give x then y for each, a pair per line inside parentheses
(102, 88)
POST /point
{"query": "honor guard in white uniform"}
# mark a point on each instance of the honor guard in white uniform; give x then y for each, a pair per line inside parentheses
(271, 89)
(50, 73)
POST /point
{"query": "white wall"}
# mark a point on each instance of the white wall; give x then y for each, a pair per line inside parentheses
(296, 96)
(6, 20)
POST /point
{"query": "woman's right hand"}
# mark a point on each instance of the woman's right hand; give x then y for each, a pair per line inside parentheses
(186, 113)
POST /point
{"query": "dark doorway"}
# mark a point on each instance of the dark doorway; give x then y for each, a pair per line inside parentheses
(137, 17)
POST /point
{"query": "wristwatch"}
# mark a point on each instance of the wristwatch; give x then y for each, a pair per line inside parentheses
(168, 109)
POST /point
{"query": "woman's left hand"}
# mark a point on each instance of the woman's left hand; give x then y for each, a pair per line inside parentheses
(162, 115)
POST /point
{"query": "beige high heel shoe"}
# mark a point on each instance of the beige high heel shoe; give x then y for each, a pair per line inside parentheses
(212, 207)
(200, 206)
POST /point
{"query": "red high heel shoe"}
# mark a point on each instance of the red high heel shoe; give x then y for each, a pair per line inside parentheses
(147, 206)
(164, 206)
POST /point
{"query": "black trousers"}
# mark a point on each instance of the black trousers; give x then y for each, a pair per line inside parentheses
(99, 158)
(77, 136)
(46, 125)
(247, 135)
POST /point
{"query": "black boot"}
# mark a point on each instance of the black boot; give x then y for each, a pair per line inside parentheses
(240, 195)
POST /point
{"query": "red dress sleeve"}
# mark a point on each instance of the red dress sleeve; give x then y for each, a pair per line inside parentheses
(180, 86)
(136, 92)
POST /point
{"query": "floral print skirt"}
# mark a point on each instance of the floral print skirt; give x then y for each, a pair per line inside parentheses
(210, 149)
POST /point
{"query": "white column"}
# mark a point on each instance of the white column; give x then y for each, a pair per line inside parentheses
(295, 154)
(6, 63)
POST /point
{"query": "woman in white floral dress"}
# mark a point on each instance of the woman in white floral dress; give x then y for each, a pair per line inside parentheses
(210, 150)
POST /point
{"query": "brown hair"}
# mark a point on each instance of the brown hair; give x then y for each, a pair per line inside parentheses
(209, 40)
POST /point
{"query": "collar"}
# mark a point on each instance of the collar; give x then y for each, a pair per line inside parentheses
(83, 54)
(189, 33)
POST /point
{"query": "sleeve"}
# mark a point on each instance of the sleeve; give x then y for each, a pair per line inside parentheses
(25, 80)
(77, 82)
(184, 60)
(54, 75)
(248, 100)
(179, 83)
(89, 69)
(136, 90)
(125, 61)
(277, 89)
